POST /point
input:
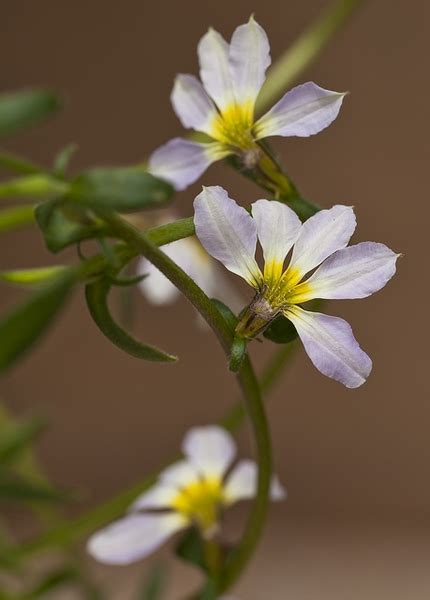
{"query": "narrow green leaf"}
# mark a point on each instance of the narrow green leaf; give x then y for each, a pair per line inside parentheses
(237, 353)
(24, 325)
(62, 159)
(16, 217)
(32, 276)
(126, 189)
(35, 186)
(97, 294)
(56, 579)
(281, 331)
(15, 437)
(63, 225)
(16, 164)
(18, 489)
(19, 110)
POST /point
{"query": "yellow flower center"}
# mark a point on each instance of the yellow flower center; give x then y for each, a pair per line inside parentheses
(233, 126)
(201, 501)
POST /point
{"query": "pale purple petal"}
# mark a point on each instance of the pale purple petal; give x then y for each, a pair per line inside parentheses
(227, 232)
(303, 111)
(354, 272)
(320, 236)
(331, 346)
(249, 58)
(191, 103)
(134, 537)
(215, 68)
(210, 449)
(159, 496)
(277, 228)
(181, 162)
(179, 474)
(241, 484)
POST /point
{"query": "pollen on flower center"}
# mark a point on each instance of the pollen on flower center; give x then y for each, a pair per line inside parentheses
(233, 126)
(201, 501)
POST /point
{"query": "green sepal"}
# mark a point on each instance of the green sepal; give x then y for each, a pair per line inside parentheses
(190, 548)
(25, 324)
(63, 225)
(34, 276)
(96, 294)
(281, 331)
(16, 217)
(61, 161)
(19, 110)
(126, 189)
(237, 353)
(226, 312)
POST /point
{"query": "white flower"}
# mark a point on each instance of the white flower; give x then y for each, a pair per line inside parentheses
(229, 233)
(193, 491)
(223, 107)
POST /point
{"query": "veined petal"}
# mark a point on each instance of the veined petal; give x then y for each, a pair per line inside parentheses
(277, 228)
(353, 272)
(191, 103)
(249, 56)
(215, 68)
(320, 236)
(305, 110)
(179, 474)
(210, 449)
(159, 496)
(134, 537)
(181, 162)
(241, 484)
(227, 232)
(331, 346)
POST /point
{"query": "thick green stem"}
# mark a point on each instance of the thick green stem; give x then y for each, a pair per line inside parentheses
(246, 379)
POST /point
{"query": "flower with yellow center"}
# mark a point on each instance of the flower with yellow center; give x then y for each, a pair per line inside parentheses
(193, 491)
(223, 107)
(229, 233)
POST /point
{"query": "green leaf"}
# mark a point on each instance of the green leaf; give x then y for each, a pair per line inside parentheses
(32, 276)
(16, 488)
(16, 164)
(154, 584)
(96, 295)
(36, 186)
(24, 325)
(281, 331)
(62, 159)
(63, 225)
(19, 110)
(15, 437)
(237, 353)
(16, 217)
(191, 548)
(125, 189)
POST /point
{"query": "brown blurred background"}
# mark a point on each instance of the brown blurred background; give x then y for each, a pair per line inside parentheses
(356, 463)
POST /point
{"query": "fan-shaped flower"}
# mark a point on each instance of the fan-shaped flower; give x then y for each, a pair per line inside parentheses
(223, 107)
(229, 233)
(192, 491)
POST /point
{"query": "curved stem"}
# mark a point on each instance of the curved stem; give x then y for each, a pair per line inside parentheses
(246, 379)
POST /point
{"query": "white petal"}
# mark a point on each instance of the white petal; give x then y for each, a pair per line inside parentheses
(249, 58)
(305, 110)
(210, 449)
(277, 228)
(215, 68)
(179, 474)
(321, 235)
(227, 232)
(133, 537)
(159, 496)
(331, 346)
(241, 484)
(156, 288)
(181, 162)
(192, 104)
(354, 272)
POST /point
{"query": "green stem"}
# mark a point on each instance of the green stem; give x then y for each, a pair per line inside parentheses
(246, 379)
